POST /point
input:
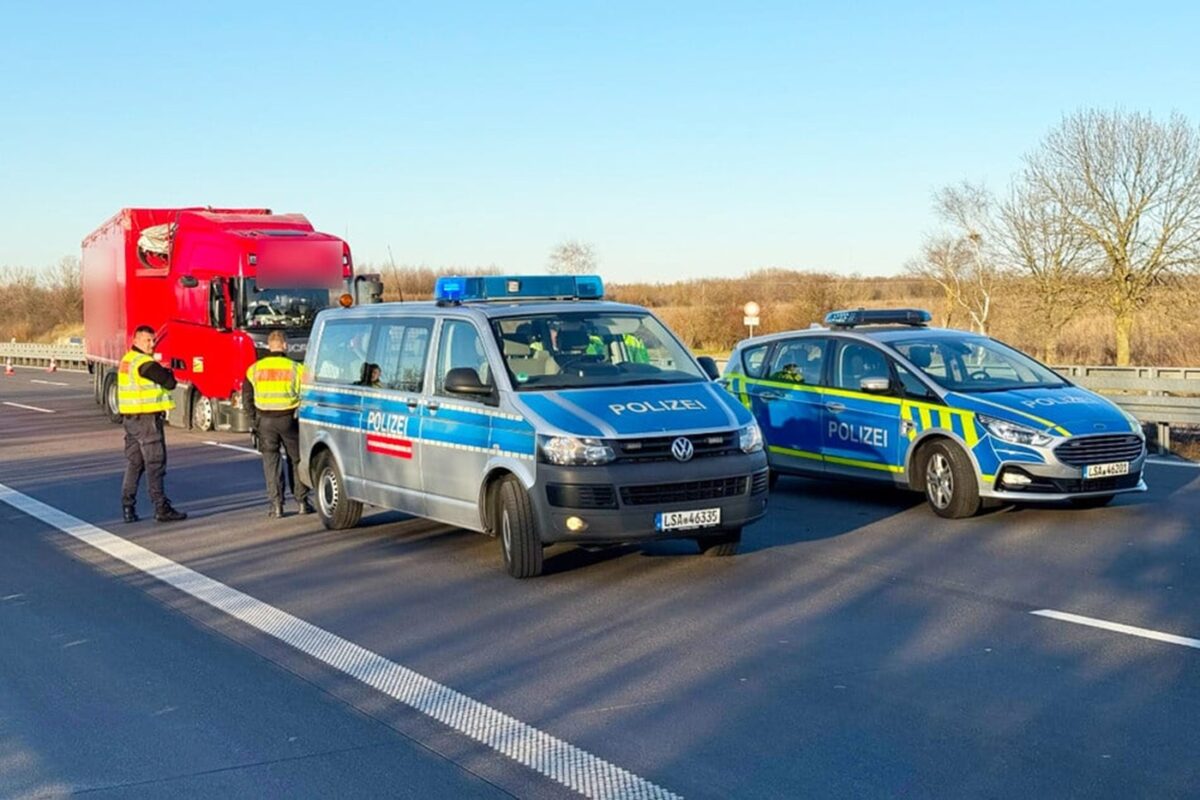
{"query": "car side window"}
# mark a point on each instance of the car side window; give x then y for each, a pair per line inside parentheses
(754, 361)
(799, 361)
(913, 387)
(401, 350)
(856, 362)
(341, 356)
(460, 347)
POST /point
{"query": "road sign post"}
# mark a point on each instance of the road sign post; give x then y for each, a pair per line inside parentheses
(750, 320)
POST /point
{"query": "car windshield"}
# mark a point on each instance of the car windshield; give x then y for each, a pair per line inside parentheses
(590, 349)
(975, 364)
(282, 308)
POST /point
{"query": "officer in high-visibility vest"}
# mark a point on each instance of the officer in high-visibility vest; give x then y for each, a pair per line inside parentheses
(143, 400)
(275, 384)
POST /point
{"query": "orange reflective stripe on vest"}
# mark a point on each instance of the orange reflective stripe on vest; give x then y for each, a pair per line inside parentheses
(138, 395)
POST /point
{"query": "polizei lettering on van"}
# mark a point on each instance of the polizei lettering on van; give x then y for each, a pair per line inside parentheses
(656, 405)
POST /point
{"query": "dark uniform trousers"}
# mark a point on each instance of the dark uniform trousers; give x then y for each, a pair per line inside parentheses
(274, 429)
(145, 451)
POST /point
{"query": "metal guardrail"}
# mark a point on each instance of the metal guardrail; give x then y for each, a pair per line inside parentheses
(26, 354)
(1161, 396)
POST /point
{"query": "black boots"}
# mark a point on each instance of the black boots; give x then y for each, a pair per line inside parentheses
(129, 514)
(169, 514)
(305, 507)
(276, 511)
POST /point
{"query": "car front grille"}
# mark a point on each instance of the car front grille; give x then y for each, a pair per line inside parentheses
(684, 492)
(1083, 450)
(658, 448)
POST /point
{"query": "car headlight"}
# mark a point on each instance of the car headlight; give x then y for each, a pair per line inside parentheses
(1012, 432)
(572, 451)
(750, 438)
(1134, 423)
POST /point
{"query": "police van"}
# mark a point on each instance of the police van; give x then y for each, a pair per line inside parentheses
(878, 394)
(531, 409)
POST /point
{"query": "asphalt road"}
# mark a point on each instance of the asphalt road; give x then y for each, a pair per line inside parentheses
(859, 647)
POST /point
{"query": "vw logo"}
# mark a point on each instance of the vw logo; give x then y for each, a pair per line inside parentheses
(682, 449)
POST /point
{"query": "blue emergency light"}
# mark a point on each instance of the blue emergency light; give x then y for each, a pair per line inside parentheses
(878, 316)
(483, 288)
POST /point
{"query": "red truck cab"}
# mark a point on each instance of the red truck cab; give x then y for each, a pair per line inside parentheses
(212, 283)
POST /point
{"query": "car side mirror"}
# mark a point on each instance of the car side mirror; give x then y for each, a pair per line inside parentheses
(464, 380)
(709, 365)
(875, 385)
(189, 282)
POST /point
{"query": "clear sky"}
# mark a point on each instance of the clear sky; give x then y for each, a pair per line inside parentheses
(680, 139)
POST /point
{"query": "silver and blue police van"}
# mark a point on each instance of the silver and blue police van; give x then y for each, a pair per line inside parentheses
(878, 394)
(531, 409)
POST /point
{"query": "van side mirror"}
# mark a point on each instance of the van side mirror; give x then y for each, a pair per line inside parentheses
(464, 380)
(875, 385)
(709, 365)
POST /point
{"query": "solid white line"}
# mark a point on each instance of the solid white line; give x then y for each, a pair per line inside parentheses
(237, 447)
(558, 760)
(1132, 630)
(1166, 462)
(48, 383)
(29, 408)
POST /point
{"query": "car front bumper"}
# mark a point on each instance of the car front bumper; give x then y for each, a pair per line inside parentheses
(1055, 481)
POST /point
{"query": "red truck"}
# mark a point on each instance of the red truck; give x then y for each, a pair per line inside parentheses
(212, 282)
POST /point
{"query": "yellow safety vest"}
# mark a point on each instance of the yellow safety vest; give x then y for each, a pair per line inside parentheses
(276, 382)
(138, 395)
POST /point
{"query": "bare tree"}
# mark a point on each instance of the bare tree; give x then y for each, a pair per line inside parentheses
(572, 257)
(1131, 186)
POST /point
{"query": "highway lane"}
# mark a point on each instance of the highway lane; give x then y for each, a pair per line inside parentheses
(861, 646)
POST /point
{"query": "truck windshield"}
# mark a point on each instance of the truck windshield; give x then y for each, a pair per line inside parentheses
(590, 349)
(976, 364)
(282, 308)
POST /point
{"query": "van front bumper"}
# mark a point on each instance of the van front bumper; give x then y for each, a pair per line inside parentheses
(620, 502)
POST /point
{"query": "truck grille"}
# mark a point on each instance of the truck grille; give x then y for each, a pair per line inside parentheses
(658, 448)
(1084, 450)
(581, 495)
(687, 491)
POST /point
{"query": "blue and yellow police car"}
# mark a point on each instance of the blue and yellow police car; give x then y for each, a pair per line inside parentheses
(529, 408)
(878, 394)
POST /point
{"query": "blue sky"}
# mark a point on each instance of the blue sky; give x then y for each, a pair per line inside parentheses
(680, 139)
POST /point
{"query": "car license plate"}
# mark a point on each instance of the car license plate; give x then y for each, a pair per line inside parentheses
(1106, 470)
(686, 520)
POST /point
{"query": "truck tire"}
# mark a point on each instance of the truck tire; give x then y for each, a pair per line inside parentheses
(720, 545)
(337, 511)
(520, 545)
(110, 407)
(203, 413)
(950, 483)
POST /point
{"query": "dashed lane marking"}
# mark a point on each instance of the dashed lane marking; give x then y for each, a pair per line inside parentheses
(29, 408)
(1131, 630)
(237, 447)
(48, 383)
(577, 769)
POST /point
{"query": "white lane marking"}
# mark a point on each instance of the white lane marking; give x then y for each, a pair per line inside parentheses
(558, 760)
(237, 447)
(48, 383)
(1132, 630)
(1166, 462)
(29, 408)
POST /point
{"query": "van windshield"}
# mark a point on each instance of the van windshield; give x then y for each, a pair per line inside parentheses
(591, 349)
(976, 364)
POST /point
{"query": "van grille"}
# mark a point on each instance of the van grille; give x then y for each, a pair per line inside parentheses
(581, 495)
(1084, 450)
(658, 448)
(687, 491)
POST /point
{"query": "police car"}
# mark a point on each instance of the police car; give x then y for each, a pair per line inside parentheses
(529, 408)
(962, 417)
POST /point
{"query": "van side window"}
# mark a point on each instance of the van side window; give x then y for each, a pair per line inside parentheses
(460, 346)
(798, 361)
(754, 361)
(402, 347)
(342, 352)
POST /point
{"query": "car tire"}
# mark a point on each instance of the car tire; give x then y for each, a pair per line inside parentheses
(951, 487)
(111, 408)
(203, 413)
(1096, 501)
(520, 546)
(720, 545)
(337, 511)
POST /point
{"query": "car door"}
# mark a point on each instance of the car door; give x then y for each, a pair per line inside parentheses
(392, 414)
(788, 404)
(861, 430)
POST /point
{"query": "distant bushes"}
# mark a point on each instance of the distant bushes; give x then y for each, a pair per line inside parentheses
(35, 306)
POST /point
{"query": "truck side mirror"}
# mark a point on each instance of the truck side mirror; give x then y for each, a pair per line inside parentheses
(218, 304)
(709, 365)
(368, 289)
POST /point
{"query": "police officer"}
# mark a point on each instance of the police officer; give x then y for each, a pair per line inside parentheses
(143, 399)
(275, 383)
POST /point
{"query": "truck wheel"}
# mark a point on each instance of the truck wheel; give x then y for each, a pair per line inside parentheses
(519, 542)
(721, 544)
(337, 511)
(950, 484)
(111, 409)
(1092, 502)
(202, 413)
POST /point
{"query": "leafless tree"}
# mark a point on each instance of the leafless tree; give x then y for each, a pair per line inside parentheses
(572, 257)
(1130, 185)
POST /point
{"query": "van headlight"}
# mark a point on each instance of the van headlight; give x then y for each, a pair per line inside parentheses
(573, 451)
(750, 438)
(1012, 432)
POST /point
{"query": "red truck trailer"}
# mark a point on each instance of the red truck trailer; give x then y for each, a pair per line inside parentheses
(212, 283)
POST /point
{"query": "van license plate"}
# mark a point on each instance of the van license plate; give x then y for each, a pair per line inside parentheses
(686, 520)
(1106, 470)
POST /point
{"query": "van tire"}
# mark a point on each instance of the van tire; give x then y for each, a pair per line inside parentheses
(109, 395)
(520, 545)
(720, 545)
(951, 487)
(337, 511)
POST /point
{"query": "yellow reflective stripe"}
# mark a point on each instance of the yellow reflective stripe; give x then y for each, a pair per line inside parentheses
(787, 451)
(969, 433)
(138, 395)
(849, 462)
(874, 398)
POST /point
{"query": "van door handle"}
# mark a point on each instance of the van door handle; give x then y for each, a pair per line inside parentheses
(836, 408)
(771, 395)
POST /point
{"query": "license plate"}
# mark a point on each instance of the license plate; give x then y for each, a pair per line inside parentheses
(1106, 470)
(686, 520)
